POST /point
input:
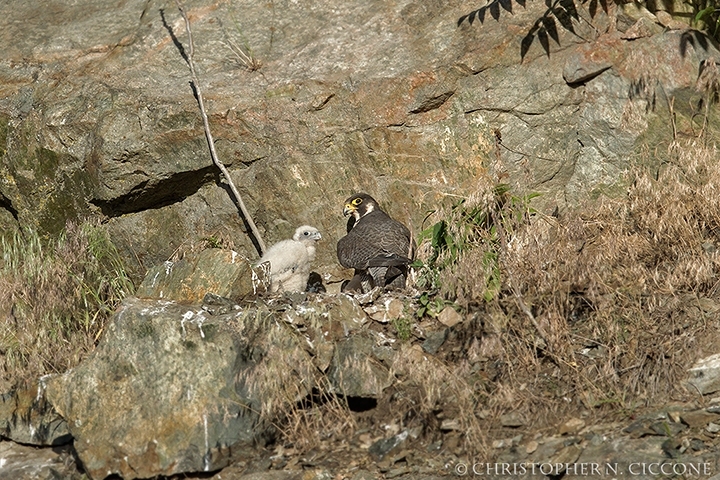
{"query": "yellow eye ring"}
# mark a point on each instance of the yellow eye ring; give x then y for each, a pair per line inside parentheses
(357, 201)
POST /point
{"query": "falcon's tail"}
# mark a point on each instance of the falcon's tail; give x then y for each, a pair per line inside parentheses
(389, 260)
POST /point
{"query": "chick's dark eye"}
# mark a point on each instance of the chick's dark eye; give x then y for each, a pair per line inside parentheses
(306, 233)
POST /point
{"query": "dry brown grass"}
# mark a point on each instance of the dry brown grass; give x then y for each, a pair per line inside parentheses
(320, 417)
(598, 309)
(295, 395)
(433, 386)
(55, 297)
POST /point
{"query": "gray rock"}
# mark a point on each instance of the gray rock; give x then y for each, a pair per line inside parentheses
(363, 476)
(20, 462)
(669, 429)
(704, 376)
(384, 446)
(512, 420)
(698, 418)
(449, 317)
(188, 387)
(26, 417)
(232, 473)
(172, 389)
(434, 340)
(638, 458)
(572, 426)
(567, 456)
(220, 272)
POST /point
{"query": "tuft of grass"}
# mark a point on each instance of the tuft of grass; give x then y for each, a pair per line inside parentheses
(403, 327)
(244, 55)
(55, 298)
(431, 386)
(321, 416)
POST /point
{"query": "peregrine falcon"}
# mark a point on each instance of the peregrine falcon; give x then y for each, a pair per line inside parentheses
(376, 246)
(290, 260)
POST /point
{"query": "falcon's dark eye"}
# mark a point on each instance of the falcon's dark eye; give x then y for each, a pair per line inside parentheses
(357, 201)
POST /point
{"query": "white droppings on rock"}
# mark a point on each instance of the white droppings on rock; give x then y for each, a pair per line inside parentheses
(257, 281)
(186, 317)
(206, 459)
(303, 310)
(41, 387)
(199, 320)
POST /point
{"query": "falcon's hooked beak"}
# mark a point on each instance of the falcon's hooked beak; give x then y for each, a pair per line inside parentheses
(348, 209)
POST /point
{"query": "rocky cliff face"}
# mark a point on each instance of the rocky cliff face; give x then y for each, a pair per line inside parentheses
(417, 102)
(311, 101)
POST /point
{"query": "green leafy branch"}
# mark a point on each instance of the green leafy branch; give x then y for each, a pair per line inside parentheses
(564, 14)
(470, 226)
(707, 16)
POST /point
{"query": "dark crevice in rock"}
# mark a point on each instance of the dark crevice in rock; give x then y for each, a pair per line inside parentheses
(583, 75)
(178, 44)
(361, 404)
(433, 102)
(249, 162)
(355, 403)
(158, 193)
(6, 204)
(322, 103)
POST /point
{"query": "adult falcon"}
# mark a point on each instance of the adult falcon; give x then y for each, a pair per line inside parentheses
(376, 246)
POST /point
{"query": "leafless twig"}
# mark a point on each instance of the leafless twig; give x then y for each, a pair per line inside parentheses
(208, 135)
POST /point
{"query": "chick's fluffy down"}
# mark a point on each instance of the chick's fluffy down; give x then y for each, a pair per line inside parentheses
(290, 260)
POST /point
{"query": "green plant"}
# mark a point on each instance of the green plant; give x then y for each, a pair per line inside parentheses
(213, 242)
(429, 305)
(702, 15)
(403, 327)
(470, 224)
(707, 16)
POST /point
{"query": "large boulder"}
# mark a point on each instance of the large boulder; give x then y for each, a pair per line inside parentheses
(168, 390)
(185, 386)
(221, 272)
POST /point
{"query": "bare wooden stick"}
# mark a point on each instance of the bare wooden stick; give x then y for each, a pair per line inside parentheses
(208, 134)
